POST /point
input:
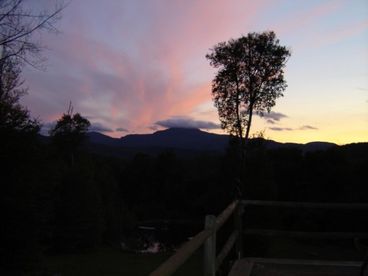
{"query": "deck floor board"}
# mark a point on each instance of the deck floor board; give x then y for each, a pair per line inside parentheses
(289, 267)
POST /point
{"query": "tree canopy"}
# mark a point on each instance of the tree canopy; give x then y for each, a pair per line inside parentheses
(13, 116)
(18, 25)
(250, 78)
(69, 132)
(18, 45)
(71, 125)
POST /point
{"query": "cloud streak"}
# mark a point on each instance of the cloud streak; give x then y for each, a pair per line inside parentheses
(272, 117)
(98, 127)
(308, 127)
(281, 128)
(305, 127)
(186, 122)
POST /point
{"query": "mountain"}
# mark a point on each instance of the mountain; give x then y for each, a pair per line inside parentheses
(315, 146)
(188, 142)
(177, 138)
(99, 138)
(184, 141)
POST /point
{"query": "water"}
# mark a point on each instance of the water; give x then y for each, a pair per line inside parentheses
(162, 236)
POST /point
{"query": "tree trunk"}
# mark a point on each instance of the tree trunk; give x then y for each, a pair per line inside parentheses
(249, 122)
(1, 70)
(239, 123)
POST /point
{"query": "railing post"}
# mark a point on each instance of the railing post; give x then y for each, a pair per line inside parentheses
(209, 265)
(239, 227)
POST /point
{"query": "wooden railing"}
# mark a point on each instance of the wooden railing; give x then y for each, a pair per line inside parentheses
(207, 237)
(306, 205)
(309, 205)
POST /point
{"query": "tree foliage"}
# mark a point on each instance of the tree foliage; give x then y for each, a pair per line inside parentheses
(18, 25)
(69, 132)
(18, 45)
(13, 116)
(22, 190)
(71, 128)
(250, 78)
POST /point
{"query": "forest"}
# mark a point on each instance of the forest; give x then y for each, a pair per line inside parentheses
(50, 206)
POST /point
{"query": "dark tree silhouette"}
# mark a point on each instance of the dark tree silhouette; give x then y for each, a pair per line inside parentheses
(13, 116)
(18, 24)
(79, 222)
(250, 78)
(69, 132)
(18, 160)
(18, 46)
(22, 189)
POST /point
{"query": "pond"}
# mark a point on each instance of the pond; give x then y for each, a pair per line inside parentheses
(156, 236)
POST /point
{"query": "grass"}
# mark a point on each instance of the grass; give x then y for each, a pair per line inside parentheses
(110, 261)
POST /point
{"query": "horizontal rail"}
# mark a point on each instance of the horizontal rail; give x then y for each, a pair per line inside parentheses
(301, 262)
(245, 266)
(303, 234)
(223, 217)
(184, 252)
(226, 249)
(176, 260)
(317, 205)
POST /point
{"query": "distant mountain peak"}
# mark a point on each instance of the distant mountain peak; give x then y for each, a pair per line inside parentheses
(179, 138)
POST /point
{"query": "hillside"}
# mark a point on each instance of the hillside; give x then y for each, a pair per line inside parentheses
(183, 141)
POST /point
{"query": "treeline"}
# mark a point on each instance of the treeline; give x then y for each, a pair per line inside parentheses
(58, 198)
(333, 175)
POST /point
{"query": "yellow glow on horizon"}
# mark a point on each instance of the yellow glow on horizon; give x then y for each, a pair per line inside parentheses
(345, 132)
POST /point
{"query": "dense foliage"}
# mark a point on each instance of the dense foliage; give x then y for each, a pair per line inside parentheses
(250, 78)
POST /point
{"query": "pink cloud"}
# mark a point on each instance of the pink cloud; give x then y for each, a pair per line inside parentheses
(134, 87)
(130, 64)
(301, 20)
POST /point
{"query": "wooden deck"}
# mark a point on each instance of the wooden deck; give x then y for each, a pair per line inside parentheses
(213, 257)
(288, 267)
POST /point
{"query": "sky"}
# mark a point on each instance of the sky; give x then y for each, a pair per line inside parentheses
(139, 66)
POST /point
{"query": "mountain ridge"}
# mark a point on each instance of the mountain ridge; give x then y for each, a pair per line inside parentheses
(189, 142)
(190, 139)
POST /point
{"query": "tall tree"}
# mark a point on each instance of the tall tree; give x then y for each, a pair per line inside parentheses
(18, 45)
(13, 116)
(20, 163)
(69, 132)
(250, 78)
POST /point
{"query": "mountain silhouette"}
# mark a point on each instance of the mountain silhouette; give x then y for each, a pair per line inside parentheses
(99, 138)
(184, 141)
(178, 138)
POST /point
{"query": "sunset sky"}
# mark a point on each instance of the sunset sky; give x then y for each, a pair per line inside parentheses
(134, 66)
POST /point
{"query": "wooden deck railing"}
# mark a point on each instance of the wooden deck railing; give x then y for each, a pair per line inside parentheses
(207, 237)
(306, 205)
